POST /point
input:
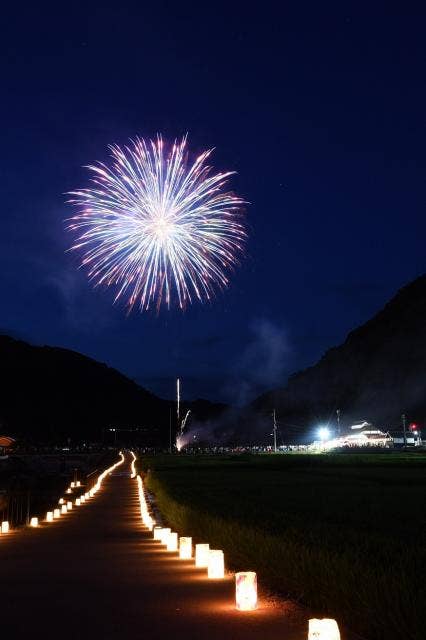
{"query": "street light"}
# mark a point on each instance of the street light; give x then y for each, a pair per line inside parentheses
(323, 433)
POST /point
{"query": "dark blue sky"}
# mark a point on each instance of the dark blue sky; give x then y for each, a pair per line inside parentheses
(321, 111)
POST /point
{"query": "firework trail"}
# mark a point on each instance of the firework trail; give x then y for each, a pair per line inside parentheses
(178, 400)
(157, 227)
(183, 425)
(179, 437)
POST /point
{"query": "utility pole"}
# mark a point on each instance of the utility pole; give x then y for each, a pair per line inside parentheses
(338, 422)
(178, 402)
(275, 431)
(404, 426)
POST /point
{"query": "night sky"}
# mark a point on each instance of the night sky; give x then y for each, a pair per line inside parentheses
(321, 111)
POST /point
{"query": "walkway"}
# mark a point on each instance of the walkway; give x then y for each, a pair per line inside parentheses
(96, 573)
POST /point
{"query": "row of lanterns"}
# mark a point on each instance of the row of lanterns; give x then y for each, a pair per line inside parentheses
(65, 505)
(214, 562)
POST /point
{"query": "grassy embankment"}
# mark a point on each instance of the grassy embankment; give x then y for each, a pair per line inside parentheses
(344, 534)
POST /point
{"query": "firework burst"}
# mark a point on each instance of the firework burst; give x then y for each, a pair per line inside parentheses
(156, 227)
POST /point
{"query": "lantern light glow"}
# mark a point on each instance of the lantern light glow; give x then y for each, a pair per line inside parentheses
(202, 555)
(246, 590)
(165, 534)
(323, 629)
(216, 566)
(157, 532)
(172, 541)
(132, 466)
(185, 548)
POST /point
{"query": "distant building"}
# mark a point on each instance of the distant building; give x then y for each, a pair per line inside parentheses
(412, 438)
(6, 443)
(367, 437)
(360, 434)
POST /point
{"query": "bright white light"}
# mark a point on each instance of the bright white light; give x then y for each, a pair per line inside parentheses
(323, 433)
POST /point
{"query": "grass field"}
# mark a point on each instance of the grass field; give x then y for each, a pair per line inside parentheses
(343, 534)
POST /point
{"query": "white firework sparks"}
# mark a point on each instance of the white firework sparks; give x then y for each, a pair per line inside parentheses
(157, 227)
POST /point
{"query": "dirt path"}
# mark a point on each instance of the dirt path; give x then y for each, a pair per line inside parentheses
(96, 573)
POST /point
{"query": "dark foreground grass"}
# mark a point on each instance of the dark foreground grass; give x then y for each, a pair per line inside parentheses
(344, 534)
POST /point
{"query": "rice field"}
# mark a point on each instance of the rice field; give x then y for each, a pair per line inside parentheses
(343, 534)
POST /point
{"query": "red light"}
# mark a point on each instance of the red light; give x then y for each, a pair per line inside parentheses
(413, 426)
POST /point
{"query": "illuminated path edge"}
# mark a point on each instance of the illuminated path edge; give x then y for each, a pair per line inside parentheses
(99, 574)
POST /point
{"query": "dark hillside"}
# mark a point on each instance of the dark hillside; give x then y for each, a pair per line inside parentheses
(52, 394)
(378, 373)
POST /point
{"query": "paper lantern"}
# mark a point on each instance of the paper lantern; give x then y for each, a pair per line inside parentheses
(185, 548)
(87, 496)
(202, 555)
(49, 516)
(5, 526)
(78, 483)
(323, 629)
(216, 566)
(246, 590)
(82, 499)
(56, 513)
(72, 485)
(77, 502)
(172, 541)
(157, 533)
(69, 506)
(34, 522)
(64, 508)
(69, 490)
(61, 501)
(165, 534)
